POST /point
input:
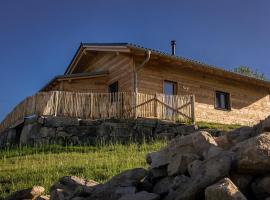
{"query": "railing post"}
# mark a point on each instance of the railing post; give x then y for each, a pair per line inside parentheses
(155, 105)
(56, 103)
(193, 109)
(135, 104)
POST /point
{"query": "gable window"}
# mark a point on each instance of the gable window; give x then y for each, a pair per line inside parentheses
(223, 101)
(113, 88)
(170, 88)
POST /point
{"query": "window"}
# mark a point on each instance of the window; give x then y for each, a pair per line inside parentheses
(170, 88)
(113, 88)
(223, 100)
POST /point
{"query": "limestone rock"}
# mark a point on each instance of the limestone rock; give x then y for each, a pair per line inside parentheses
(223, 142)
(202, 141)
(193, 167)
(127, 178)
(210, 171)
(141, 196)
(179, 163)
(125, 190)
(163, 186)
(69, 186)
(158, 172)
(240, 134)
(180, 181)
(253, 155)
(43, 197)
(214, 151)
(266, 124)
(242, 181)
(30, 193)
(223, 190)
(158, 158)
(261, 187)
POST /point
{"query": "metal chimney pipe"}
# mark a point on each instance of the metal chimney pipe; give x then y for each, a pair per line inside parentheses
(173, 44)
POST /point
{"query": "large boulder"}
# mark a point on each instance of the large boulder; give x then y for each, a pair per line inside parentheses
(143, 195)
(163, 186)
(202, 141)
(210, 171)
(252, 155)
(223, 190)
(242, 181)
(240, 134)
(69, 186)
(261, 187)
(179, 163)
(128, 178)
(30, 193)
(158, 159)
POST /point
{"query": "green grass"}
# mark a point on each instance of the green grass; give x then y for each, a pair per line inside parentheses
(28, 166)
(221, 127)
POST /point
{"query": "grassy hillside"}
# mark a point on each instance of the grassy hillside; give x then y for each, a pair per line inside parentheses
(24, 167)
(27, 166)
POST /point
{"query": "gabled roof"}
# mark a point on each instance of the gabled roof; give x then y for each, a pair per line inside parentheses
(128, 47)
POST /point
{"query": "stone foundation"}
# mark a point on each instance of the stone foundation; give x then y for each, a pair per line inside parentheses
(73, 131)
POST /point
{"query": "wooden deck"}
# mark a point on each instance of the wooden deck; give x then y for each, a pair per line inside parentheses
(123, 105)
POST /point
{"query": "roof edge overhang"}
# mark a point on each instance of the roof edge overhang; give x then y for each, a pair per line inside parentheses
(101, 47)
(131, 48)
(75, 76)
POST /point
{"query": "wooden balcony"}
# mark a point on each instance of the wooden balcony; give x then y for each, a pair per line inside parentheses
(122, 105)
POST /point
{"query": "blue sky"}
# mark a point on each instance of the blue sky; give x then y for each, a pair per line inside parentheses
(38, 38)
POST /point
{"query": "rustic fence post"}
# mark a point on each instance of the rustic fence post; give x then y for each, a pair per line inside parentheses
(155, 105)
(193, 109)
(56, 102)
(135, 104)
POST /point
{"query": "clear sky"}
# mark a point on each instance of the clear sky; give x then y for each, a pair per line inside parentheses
(39, 37)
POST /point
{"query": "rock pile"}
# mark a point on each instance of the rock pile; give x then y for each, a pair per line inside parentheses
(235, 166)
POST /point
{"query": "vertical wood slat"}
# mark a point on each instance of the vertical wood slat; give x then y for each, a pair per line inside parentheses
(102, 106)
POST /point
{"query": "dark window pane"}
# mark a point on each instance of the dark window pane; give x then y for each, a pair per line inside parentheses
(113, 88)
(169, 88)
(222, 100)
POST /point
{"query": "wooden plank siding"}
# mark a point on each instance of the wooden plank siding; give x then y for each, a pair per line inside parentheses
(249, 104)
(119, 66)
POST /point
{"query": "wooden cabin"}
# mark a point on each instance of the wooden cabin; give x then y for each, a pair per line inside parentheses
(221, 96)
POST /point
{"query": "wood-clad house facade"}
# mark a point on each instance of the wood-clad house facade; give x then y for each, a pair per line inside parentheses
(221, 96)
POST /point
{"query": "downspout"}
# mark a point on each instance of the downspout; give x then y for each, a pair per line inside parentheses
(139, 68)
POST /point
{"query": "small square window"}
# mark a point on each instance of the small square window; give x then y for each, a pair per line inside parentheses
(222, 100)
(170, 88)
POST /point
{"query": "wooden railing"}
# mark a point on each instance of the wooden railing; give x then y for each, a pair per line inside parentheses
(103, 106)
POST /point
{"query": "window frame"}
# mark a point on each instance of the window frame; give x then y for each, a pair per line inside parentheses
(228, 103)
(175, 86)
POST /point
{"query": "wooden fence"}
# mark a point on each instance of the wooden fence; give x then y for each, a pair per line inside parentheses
(103, 106)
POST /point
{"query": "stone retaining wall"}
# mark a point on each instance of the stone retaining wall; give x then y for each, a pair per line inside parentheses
(73, 131)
